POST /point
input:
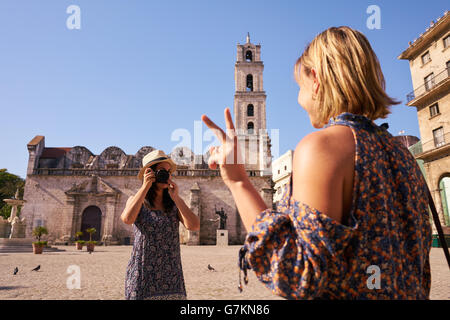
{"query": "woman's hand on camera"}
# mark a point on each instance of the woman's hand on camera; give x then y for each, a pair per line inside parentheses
(173, 189)
(149, 178)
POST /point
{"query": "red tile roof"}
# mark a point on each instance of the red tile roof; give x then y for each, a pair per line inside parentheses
(54, 152)
(35, 140)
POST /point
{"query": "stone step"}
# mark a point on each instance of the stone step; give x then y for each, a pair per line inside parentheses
(21, 245)
(26, 249)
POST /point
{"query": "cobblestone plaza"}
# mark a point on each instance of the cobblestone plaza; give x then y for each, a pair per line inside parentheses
(102, 274)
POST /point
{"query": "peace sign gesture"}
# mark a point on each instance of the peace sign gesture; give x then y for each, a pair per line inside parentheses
(226, 156)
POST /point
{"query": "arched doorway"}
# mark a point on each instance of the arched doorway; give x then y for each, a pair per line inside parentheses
(91, 218)
(444, 188)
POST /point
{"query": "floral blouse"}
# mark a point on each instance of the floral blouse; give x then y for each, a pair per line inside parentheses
(382, 252)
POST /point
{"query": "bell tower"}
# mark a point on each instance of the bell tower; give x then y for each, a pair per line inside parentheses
(250, 107)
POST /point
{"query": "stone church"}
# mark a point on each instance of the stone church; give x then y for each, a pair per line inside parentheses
(71, 189)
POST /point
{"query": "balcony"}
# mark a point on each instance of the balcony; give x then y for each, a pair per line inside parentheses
(432, 149)
(436, 84)
(416, 148)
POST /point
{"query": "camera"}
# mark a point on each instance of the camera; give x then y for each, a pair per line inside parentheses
(162, 176)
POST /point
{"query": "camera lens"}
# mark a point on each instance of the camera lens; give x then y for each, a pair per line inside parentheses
(162, 176)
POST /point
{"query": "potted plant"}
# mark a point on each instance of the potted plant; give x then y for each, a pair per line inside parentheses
(79, 242)
(39, 245)
(91, 244)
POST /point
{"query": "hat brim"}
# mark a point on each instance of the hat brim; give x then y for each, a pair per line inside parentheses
(173, 166)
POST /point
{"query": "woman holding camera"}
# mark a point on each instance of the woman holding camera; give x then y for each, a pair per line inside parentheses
(353, 222)
(154, 271)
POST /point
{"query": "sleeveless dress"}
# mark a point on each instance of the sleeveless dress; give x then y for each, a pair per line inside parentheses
(154, 270)
(382, 252)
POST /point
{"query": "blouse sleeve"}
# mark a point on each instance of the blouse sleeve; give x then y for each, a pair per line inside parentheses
(292, 251)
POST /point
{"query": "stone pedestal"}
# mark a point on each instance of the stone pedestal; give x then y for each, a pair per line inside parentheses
(5, 228)
(222, 238)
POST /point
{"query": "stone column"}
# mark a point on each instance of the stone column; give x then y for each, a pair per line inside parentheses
(69, 222)
(108, 227)
(194, 205)
(267, 195)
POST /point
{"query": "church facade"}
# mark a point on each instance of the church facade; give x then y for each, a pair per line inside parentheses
(71, 189)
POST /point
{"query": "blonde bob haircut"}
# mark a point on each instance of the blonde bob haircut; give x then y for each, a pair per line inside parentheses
(349, 75)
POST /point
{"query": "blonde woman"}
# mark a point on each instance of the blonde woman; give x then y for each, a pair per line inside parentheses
(154, 271)
(353, 222)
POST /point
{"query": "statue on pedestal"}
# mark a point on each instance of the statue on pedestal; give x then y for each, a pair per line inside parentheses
(17, 224)
(223, 218)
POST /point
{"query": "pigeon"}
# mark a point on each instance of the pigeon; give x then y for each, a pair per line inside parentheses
(211, 268)
(16, 270)
(37, 268)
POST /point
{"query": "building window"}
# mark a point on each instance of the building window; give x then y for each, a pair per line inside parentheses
(278, 171)
(250, 127)
(447, 41)
(285, 168)
(438, 135)
(434, 110)
(429, 81)
(426, 58)
(249, 82)
(448, 68)
(248, 56)
(250, 110)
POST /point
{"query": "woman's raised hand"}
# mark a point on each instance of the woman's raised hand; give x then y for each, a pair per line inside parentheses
(173, 189)
(149, 178)
(227, 155)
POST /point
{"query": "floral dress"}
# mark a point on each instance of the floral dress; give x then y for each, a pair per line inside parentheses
(154, 270)
(382, 252)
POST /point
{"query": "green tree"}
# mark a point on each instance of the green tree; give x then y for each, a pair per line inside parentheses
(38, 232)
(91, 231)
(9, 183)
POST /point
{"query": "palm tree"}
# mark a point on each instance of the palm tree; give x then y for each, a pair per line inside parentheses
(38, 232)
(91, 231)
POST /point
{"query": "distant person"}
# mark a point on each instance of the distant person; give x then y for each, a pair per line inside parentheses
(353, 222)
(154, 271)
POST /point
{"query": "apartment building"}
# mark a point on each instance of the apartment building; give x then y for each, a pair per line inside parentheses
(429, 61)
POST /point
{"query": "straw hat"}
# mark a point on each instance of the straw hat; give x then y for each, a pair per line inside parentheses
(154, 157)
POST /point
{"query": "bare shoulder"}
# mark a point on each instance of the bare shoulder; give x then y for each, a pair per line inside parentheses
(323, 168)
(335, 143)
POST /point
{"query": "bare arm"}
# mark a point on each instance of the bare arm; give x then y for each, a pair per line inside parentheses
(248, 201)
(134, 203)
(186, 216)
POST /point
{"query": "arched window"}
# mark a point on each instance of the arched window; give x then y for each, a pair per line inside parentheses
(248, 56)
(250, 110)
(250, 127)
(249, 83)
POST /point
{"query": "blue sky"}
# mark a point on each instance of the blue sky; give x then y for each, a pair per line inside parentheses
(138, 70)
